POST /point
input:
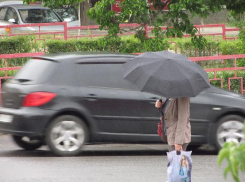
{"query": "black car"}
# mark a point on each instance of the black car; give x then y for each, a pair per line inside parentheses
(67, 100)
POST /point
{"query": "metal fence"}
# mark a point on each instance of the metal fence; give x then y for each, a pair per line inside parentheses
(215, 70)
(60, 30)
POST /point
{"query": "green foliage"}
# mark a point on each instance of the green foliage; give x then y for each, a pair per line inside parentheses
(13, 45)
(231, 47)
(234, 154)
(225, 75)
(187, 47)
(17, 44)
(177, 20)
(109, 44)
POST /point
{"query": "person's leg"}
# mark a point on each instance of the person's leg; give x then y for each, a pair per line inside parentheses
(171, 147)
(184, 146)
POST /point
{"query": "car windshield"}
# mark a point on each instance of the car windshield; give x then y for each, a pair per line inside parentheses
(38, 16)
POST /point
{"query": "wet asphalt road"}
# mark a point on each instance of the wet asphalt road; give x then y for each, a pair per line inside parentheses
(102, 163)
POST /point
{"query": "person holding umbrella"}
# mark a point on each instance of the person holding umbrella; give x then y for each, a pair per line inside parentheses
(177, 122)
(174, 76)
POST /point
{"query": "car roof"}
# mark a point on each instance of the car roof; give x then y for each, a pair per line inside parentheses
(24, 6)
(10, 2)
(80, 57)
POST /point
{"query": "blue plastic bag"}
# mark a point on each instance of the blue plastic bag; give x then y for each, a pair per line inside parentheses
(179, 166)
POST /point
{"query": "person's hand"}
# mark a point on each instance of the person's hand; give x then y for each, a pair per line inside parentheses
(178, 147)
(158, 104)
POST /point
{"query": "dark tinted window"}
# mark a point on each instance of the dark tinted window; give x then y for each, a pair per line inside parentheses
(35, 71)
(102, 75)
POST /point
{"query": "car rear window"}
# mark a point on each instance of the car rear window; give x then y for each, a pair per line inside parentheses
(35, 71)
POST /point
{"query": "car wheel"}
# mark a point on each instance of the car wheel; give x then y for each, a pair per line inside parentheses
(27, 143)
(66, 135)
(229, 129)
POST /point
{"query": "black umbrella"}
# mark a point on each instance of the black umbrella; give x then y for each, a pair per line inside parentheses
(166, 74)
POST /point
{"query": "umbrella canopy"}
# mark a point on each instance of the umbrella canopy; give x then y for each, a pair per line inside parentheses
(166, 74)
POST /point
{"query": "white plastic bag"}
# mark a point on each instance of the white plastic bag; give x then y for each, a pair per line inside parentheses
(179, 166)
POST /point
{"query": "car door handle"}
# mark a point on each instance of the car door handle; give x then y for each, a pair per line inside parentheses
(91, 97)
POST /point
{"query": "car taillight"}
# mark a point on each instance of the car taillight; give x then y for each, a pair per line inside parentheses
(37, 99)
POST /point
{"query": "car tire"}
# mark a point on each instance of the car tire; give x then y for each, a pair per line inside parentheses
(27, 143)
(66, 135)
(229, 128)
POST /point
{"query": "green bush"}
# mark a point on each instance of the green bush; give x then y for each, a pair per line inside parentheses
(235, 85)
(231, 47)
(185, 46)
(17, 44)
(13, 45)
(112, 44)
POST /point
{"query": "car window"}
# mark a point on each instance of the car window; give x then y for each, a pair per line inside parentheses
(102, 75)
(67, 13)
(35, 71)
(38, 16)
(3, 11)
(12, 16)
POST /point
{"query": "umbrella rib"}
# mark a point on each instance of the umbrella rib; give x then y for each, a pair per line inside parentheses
(160, 67)
(145, 72)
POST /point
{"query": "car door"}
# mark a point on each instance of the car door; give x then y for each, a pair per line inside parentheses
(150, 115)
(110, 99)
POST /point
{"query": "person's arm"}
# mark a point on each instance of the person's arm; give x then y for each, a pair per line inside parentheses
(183, 113)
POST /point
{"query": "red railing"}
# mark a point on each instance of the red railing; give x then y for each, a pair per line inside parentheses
(200, 28)
(66, 31)
(6, 67)
(35, 28)
(215, 70)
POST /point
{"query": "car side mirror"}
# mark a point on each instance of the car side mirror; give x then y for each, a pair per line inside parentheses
(67, 19)
(12, 21)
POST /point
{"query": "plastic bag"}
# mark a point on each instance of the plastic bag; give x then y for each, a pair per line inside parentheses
(179, 166)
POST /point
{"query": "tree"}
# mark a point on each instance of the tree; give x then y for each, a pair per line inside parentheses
(84, 6)
(176, 19)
